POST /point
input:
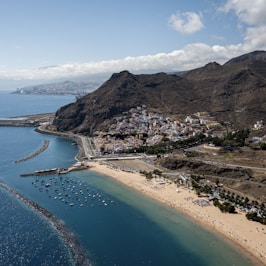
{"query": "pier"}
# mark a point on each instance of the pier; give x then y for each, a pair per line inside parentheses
(59, 171)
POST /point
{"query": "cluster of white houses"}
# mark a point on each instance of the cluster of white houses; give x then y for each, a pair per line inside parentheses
(257, 140)
(138, 122)
(258, 125)
(203, 118)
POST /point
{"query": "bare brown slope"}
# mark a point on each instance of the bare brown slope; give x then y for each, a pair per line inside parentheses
(234, 92)
(159, 92)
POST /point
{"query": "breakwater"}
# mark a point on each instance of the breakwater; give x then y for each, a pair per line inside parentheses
(78, 253)
(52, 171)
(42, 149)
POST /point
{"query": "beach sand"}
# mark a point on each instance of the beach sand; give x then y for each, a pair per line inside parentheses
(249, 236)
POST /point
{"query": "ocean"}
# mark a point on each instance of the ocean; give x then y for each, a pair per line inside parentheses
(115, 225)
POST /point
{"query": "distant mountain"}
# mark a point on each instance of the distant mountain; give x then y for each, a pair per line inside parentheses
(61, 88)
(234, 92)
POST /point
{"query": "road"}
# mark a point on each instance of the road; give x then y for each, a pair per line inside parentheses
(231, 165)
(87, 145)
(90, 153)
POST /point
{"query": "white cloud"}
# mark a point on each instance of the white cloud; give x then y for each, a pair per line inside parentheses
(256, 37)
(249, 12)
(186, 23)
(252, 15)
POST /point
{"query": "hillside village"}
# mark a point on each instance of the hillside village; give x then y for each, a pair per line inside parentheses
(139, 127)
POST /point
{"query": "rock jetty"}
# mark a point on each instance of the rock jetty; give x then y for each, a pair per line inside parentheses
(42, 149)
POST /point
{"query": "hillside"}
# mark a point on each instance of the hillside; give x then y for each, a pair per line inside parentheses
(235, 92)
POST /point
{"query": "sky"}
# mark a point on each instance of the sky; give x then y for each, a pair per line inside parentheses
(44, 40)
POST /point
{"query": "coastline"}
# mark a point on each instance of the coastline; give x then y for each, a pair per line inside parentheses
(248, 236)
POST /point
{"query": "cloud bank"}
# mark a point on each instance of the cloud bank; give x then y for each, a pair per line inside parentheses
(250, 14)
(191, 56)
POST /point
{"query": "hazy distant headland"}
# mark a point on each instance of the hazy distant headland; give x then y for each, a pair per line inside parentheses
(61, 88)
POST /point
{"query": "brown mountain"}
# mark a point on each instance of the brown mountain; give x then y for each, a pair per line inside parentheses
(235, 92)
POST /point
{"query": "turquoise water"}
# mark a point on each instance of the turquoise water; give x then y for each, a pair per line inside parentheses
(116, 226)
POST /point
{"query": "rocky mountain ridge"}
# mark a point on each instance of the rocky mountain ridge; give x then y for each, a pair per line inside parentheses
(234, 92)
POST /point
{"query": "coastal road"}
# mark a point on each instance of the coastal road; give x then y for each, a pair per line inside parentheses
(87, 145)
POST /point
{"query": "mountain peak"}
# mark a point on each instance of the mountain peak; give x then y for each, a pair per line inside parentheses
(124, 73)
(212, 65)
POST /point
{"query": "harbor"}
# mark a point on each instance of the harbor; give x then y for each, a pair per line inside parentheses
(71, 192)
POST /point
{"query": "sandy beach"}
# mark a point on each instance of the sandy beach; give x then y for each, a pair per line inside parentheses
(249, 236)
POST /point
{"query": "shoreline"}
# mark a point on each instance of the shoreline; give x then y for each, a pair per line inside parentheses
(247, 236)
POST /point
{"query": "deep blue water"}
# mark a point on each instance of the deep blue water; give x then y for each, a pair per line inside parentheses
(115, 225)
(26, 238)
(20, 104)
